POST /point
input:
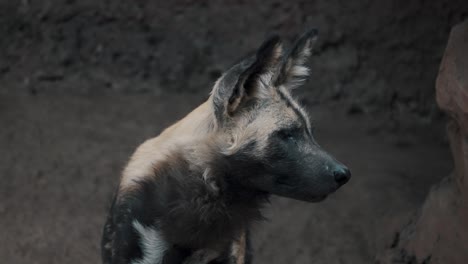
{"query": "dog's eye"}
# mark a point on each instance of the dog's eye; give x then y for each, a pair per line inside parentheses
(286, 134)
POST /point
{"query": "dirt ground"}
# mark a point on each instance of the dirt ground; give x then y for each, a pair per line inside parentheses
(62, 155)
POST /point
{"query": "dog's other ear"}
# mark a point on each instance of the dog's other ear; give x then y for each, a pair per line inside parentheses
(293, 71)
(251, 78)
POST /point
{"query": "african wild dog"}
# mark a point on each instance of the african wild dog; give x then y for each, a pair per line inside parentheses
(190, 194)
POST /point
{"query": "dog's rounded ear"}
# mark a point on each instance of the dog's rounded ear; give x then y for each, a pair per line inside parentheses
(293, 71)
(251, 78)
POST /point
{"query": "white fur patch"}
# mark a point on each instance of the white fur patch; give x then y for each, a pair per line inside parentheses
(300, 71)
(210, 180)
(152, 243)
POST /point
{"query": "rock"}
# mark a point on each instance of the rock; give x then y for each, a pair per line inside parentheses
(439, 232)
(452, 82)
(452, 97)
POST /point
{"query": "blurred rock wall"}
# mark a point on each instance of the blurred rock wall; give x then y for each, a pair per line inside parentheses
(375, 55)
(438, 234)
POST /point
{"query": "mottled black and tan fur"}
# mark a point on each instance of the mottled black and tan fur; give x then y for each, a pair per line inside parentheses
(190, 194)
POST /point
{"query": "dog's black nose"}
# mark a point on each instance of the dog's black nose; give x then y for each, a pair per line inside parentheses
(342, 175)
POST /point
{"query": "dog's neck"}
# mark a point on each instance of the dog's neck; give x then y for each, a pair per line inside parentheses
(206, 161)
(204, 197)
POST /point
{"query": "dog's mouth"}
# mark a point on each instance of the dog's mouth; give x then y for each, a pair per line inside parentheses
(317, 199)
(293, 192)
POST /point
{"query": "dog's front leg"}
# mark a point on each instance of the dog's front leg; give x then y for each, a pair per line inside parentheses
(238, 254)
(240, 250)
(202, 256)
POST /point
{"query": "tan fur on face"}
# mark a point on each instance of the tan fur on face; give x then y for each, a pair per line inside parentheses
(257, 124)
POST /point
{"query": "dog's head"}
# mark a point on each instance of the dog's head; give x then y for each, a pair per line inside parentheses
(268, 136)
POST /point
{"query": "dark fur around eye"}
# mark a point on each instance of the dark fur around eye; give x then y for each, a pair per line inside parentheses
(288, 133)
(285, 134)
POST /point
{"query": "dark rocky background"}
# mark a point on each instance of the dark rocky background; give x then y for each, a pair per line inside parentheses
(82, 83)
(377, 55)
